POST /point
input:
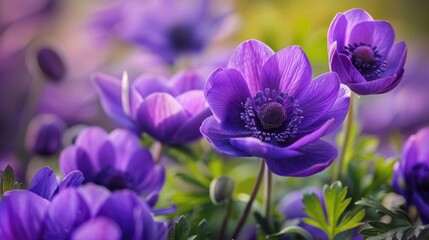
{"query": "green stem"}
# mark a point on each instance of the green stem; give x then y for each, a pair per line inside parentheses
(347, 134)
(250, 202)
(225, 219)
(267, 192)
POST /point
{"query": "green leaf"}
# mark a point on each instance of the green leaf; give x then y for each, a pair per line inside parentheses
(400, 226)
(191, 180)
(290, 231)
(337, 218)
(8, 181)
(203, 231)
(180, 230)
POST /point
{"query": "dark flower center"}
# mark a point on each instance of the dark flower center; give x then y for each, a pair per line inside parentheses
(114, 179)
(272, 116)
(366, 59)
(182, 38)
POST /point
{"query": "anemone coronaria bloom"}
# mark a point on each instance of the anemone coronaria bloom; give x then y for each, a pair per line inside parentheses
(363, 53)
(115, 160)
(171, 111)
(265, 104)
(411, 173)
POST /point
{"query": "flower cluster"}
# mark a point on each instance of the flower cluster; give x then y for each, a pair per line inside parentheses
(161, 163)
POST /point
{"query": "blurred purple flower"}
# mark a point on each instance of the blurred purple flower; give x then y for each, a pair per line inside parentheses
(87, 212)
(44, 134)
(51, 64)
(411, 173)
(115, 160)
(21, 215)
(46, 184)
(170, 111)
(363, 53)
(291, 207)
(167, 28)
(265, 104)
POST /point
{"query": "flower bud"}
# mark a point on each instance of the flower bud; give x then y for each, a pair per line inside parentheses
(51, 64)
(221, 189)
(44, 134)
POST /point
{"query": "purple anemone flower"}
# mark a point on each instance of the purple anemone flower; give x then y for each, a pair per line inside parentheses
(291, 207)
(167, 28)
(170, 111)
(87, 212)
(92, 212)
(411, 173)
(21, 215)
(363, 53)
(115, 160)
(265, 104)
(46, 184)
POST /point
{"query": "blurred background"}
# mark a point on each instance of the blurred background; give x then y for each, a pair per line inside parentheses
(49, 49)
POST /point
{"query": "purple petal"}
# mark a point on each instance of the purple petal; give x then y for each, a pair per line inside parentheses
(125, 143)
(192, 101)
(148, 84)
(68, 159)
(84, 163)
(378, 34)
(185, 81)
(288, 71)
(67, 211)
(422, 207)
(354, 75)
(73, 179)
(415, 151)
(44, 183)
(160, 115)
(338, 111)
(190, 130)
(310, 160)
(110, 92)
(91, 139)
(106, 155)
(22, 214)
(319, 98)
(396, 59)
(354, 17)
(94, 196)
(257, 148)
(337, 30)
(98, 228)
(219, 137)
(248, 58)
(225, 92)
(154, 180)
(336, 65)
(140, 165)
(314, 136)
(374, 87)
(122, 207)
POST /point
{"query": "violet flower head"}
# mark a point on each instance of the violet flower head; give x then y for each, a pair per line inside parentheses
(291, 207)
(363, 53)
(21, 215)
(46, 184)
(265, 104)
(44, 134)
(411, 173)
(170, 111)
(167, 28)
(115, 160)
(92, 212)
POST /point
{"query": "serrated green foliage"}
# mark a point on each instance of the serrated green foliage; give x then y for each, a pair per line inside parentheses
(182, 230)
(400, 226)
(337, 218)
